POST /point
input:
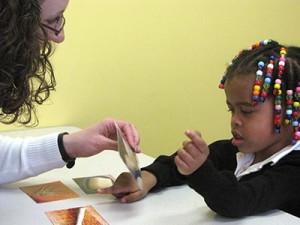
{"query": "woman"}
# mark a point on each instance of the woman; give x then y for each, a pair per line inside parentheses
(27, 29)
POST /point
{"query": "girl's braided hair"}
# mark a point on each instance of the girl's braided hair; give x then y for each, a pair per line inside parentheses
(246, 63)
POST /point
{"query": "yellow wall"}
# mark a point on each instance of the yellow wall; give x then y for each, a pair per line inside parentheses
(157, 63)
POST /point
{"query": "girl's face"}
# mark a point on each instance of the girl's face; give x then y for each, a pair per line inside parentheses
(52, 16)
(252, 126)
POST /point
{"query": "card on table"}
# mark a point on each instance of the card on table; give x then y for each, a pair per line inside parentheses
(49, 192)
(90, 184)
(128, 156)
(70, 216)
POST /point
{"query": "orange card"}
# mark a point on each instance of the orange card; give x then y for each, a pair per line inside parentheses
(69, 217)
(49, 192)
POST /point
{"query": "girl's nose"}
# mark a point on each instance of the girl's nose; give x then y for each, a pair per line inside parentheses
(235, 121)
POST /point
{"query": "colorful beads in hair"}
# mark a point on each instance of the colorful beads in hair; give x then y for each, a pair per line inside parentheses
(257, 83)
(277, 92)
(289, 107)
(222, 82)
(267, 81)
(295, 115)
(254, 46)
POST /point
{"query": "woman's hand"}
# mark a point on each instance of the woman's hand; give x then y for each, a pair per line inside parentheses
(193, 154)
(101, 136)
(126, 189)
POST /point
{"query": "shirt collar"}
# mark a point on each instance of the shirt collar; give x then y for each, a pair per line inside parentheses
(244, 161)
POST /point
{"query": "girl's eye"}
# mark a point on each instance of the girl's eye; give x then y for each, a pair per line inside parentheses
(246, 112)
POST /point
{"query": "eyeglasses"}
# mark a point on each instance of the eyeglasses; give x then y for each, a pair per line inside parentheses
(59, 24)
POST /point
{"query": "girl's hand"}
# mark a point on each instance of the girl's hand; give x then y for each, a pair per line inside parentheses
(101, 136)
(193, 154)
(127, 190)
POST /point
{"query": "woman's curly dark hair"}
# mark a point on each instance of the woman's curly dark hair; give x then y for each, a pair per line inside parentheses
(26, 74)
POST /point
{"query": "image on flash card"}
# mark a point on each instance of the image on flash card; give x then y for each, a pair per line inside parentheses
(90, 185)
(128, 156)
(49, 192)
(70, 216)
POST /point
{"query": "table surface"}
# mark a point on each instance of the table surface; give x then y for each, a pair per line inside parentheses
(176, 205)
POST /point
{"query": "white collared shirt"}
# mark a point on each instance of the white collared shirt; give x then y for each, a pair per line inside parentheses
(244, 161)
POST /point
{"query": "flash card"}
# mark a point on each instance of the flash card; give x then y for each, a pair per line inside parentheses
(90, 185)
(49, 192)
(128, 156)
(71, 216)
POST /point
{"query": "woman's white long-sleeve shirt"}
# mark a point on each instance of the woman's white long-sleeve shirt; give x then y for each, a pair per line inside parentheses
(21, 158)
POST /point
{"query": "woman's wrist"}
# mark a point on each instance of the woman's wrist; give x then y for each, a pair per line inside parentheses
(65, 155)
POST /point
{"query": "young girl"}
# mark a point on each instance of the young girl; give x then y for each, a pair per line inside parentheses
(259, 168)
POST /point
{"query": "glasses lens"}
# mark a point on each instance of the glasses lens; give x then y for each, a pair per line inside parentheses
(60, 23)
(56, 26)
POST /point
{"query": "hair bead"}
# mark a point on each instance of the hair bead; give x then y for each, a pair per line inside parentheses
(277, 107)
(222, 82)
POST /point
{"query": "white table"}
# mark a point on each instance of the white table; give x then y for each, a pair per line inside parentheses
(176, 205)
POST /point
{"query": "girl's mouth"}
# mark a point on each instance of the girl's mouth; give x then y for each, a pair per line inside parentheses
(237, 139)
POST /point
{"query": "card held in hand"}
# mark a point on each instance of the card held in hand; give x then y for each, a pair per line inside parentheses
(128, 156)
